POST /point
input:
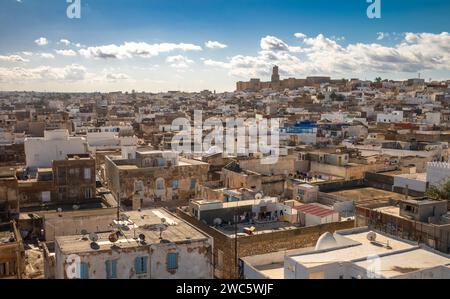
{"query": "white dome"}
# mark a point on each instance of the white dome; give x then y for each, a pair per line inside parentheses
(214, 150)
(326, 241)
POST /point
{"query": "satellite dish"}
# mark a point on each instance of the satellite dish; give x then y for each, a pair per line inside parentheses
(76, 207)
(163, 220)
(93, 237)
(371, 236)
(142, 238)
(258, 196)
(113, 238)
(217, 221)
(59, 210)
(84, 232)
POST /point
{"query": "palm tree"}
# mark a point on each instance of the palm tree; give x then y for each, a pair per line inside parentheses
(441, 192)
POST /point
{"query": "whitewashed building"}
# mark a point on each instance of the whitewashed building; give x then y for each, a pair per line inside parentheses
(55, 145)
(394, 117)
(147, 244)
(351, 254)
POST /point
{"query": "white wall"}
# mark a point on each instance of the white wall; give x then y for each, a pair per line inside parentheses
(40, 152)
(433, 118)
(394, 117)
(437, 173)
(413, 184)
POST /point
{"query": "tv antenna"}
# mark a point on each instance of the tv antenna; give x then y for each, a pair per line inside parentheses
(162, 227)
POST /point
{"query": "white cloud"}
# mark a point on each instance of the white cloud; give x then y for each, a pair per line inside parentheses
(47, 55)
(215, 45)
(114, 77)
(66, 52)
(26, 53)
(382, 35)
(42, 41)
(322, 55)
(219, 64)
(179, 61)
(133, 49)
(65, 42)
(272, 43)
(13, 58)
(300, 35)
(73, 72)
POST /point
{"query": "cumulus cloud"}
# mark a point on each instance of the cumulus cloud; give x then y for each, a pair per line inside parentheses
(215, 63)
(65, 42)
(114, 77)
(324, 55)
(382, 35)
(133, 49)
(73, 72)
(300, 35)
(47, 55)
(272, 43)
(215, 45)
(66, 52)
(13, 58)
(42, 41)
(179, 61)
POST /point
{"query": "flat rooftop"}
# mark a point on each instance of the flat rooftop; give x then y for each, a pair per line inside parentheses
(355, 253)
(271, 265)
(260, 228)
(413, 176)
(83, 207)
(144, 222)
(407, 262)
(367, 194)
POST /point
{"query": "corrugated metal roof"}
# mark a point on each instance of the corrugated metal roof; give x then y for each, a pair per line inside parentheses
(315, 210)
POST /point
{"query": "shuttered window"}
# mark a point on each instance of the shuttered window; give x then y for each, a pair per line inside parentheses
(140, 264)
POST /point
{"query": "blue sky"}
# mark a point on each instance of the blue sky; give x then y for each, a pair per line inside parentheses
(157, 45)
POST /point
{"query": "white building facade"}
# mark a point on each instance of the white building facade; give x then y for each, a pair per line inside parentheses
(55, 145)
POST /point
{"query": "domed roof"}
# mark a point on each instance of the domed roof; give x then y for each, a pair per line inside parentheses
(326, 241)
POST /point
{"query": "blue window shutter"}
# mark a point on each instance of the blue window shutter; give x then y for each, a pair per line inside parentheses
(84, 271)
(140, 264)
(137, 265)
(193, 183)
(114, 269)
(111, 269)
(172, 261)
(144, 264)
(108, 269)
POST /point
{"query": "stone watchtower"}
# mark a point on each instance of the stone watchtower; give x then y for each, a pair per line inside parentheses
(275, 75)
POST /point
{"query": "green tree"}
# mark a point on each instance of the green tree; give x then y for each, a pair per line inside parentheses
(378, 79)
(441, 192)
